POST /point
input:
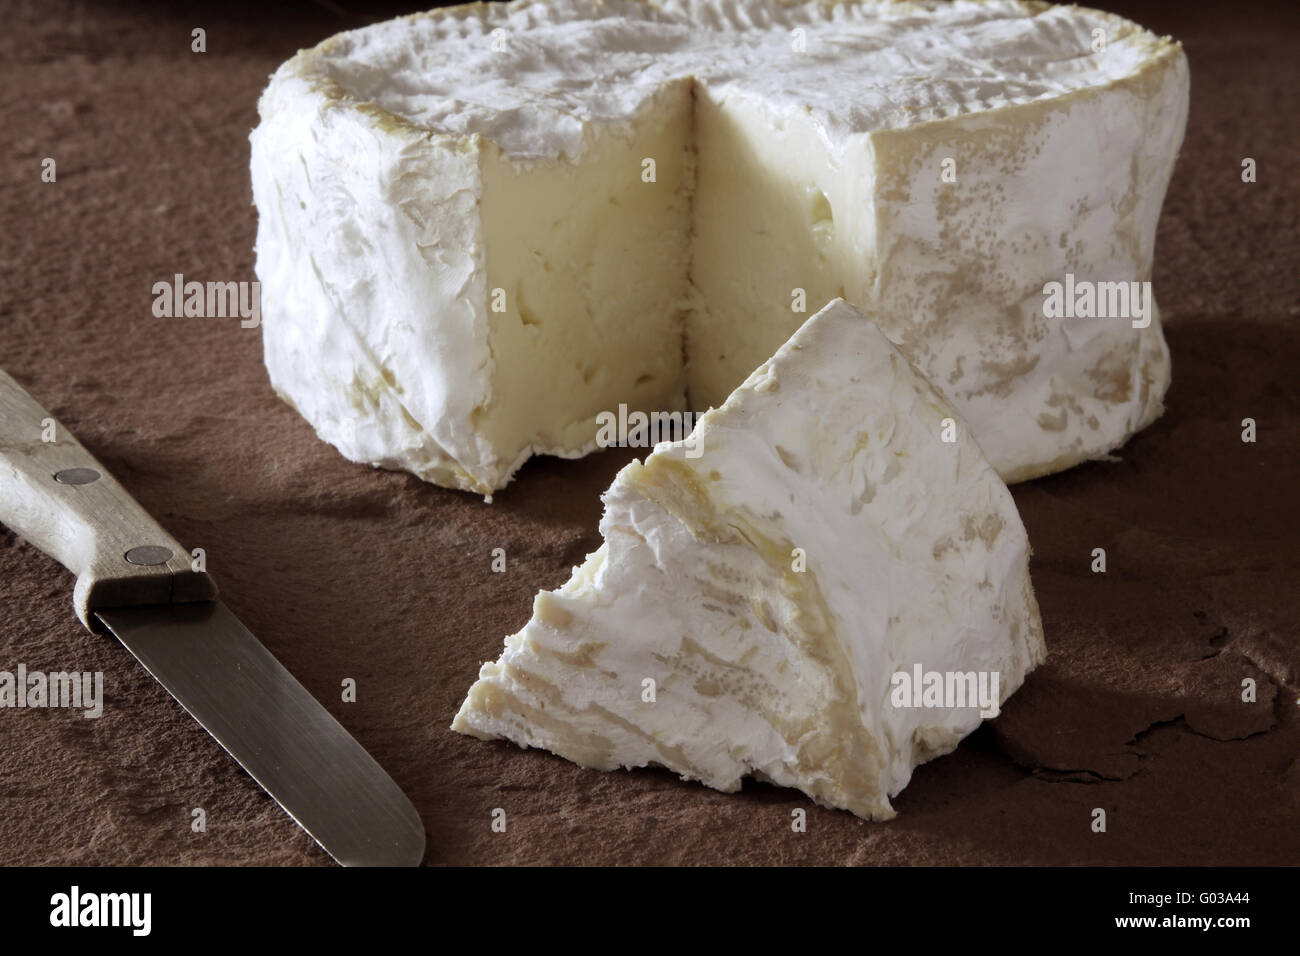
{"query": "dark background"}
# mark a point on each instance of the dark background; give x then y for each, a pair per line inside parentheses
(344, 571)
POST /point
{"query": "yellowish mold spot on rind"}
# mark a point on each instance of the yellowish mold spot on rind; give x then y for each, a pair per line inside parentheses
(584, 657)
(546, 610)
(842, 759)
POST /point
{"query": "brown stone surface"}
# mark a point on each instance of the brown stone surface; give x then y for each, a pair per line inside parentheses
(344, 571)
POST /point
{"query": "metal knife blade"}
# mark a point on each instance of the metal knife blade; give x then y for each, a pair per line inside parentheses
(232, 685)
(137, 582)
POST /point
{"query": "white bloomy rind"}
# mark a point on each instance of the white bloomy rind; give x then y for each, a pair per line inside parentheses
(463, 261)
(767, 661)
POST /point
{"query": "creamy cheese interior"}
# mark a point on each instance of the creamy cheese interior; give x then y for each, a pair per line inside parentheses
(657, 291)
(781, 224)
(588, 262)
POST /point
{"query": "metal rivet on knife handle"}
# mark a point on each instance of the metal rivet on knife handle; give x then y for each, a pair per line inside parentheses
(149, 554)
(76, 476)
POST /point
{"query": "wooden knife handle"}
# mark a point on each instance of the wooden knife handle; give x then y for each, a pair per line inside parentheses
(56, 495)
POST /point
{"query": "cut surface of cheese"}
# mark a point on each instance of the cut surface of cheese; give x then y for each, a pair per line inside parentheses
(483, 226)
(761, 584)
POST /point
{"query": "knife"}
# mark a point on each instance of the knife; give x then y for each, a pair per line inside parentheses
(136, 582)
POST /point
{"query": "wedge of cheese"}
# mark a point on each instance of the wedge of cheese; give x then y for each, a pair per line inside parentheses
(481, 227)
(762, 583)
